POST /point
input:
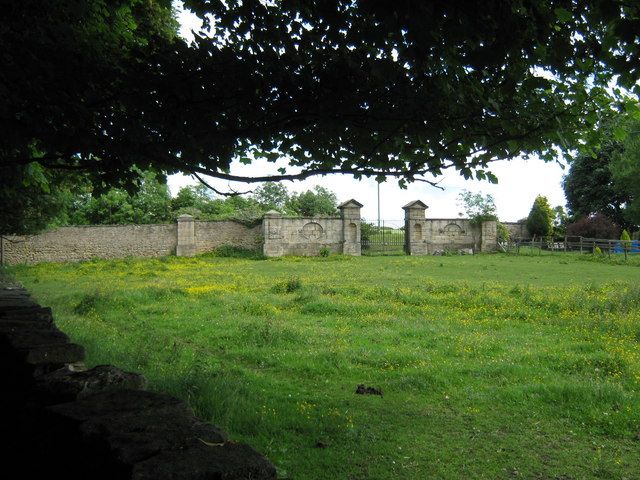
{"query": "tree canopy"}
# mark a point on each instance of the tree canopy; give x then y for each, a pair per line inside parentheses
(317, 202)
(607, 181)
(480, 208)
(365, 88)
(589, 186)
(72, 201)
(625, 171)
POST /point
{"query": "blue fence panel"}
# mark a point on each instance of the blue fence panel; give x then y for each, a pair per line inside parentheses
(635, 247)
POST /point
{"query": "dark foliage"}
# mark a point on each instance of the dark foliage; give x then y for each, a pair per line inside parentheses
(363, 88)
(594, 226)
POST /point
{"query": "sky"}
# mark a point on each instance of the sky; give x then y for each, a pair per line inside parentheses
(519, 181)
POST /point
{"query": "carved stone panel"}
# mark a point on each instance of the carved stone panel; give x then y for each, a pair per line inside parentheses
(312, 231)
(452, 230)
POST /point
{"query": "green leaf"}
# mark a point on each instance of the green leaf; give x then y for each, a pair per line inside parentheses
(34, 176)
(620, 133)
(563, 15)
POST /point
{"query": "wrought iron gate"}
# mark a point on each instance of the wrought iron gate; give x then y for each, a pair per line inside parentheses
(383, 238)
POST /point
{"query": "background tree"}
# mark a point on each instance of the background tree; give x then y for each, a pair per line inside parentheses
(152, 201)
(40, 199)
(317, 202)
(195, 200)
(477, 207)
(540, 219)
(560, 220)
(150, 204)
(625, 240)
(333, 86)
(200, 202)
(272, 196)
(480, 208)
(589, 186)
(186, 198)
(625, 171)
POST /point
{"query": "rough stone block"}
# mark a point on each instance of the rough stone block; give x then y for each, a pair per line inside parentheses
(65, 384)
(54, 354)
(226, 461)
(25, 338)
(156, 436)
(16, 302)
(30, 315)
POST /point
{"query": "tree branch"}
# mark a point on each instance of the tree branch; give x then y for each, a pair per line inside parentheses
(232, 193)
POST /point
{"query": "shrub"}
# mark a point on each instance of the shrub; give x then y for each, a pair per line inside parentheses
(503, 232)
(625, 237)
(324, 252)
(367, 230)
(625, 241)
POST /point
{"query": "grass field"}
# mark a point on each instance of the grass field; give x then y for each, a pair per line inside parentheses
(491, 366)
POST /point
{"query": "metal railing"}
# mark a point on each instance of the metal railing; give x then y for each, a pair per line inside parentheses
(385, 238)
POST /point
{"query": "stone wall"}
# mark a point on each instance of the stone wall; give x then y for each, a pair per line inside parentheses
(211, 235)
(451, 234)
(277, 235)
(71, 244)
(517, 230)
